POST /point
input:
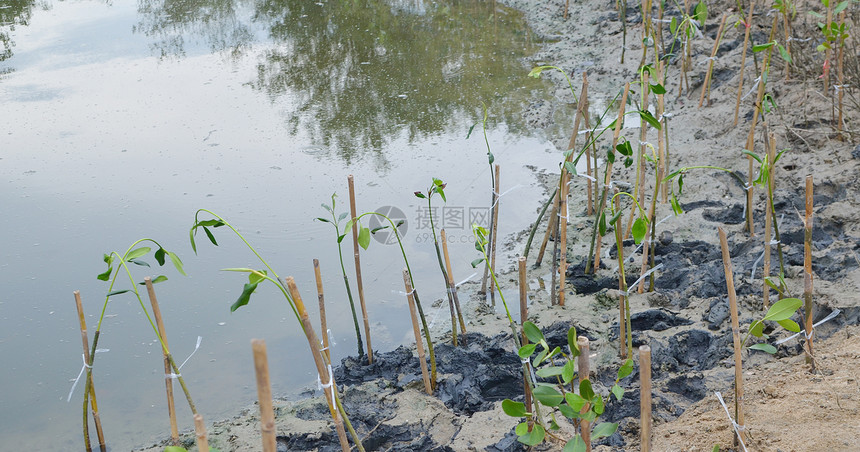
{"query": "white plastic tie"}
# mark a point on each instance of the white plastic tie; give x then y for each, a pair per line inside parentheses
(592, 179)
(499, 196)
(329, 385)
(196, 347)
(644, 275)
(706, 60)
(466, 280)
(738, 428)
(754, 87)
(792, 38)
(814, 326)
(81, 373)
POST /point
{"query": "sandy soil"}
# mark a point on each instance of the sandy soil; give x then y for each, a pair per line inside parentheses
(685, 320)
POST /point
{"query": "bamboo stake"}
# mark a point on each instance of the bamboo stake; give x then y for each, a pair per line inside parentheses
(550, 227)
(93, 404)
(638, 185)
(840, 75)
(495, 235)
(768, 220)
(490, 231)
(321, 297)
(747, 27)
(323, 367)
(200, 431)
(645, 398)
(418, 344)
(595, 247)
(453, 288)
(264, 395)
(808, 308)
(524, 315)
(168, 381)
(706, 88)
(662, 155)
(449, 286)
(352, 210)
(828, 53)
(736, 334)
(622, 285)
(584, 372)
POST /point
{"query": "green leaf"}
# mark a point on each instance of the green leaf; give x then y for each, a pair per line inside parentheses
(577, 444)
(555, 351)
(680, 183)
(210, 236)
(214, 223)
(532, 332)
(649, 118)
(716, 448)
(617, 391)
(549, 372)
(784, 53)
(610, 156)
(757, 328)
(547, 395)
(325, 206)
(567, 411)
(624, 148)
(570, 167)
(840, 7)
(534, 437)
(765, 46)
(673, 25)
(526, 350)
(536, 71)
(159, 256)
(658, 89)
(342, 216)
(106, 275)
(108, 258)
(139, 262)
(364, 237)
(175, 449)
(753, 155)
(585, 390)
(134, 254)
(243, 299)
(701, 13)
(157, 280)
(783, 309)
(324, 220)
(418, 194)
(639, 230)
(571, 342)
(625, 369)
(615, 218)
(603, 430)
(763, 347)
(117, 292)
(238, 270)
(477, 261)
(568, 372)
(340, 238)
(514, 409)
(256, 276)
(490, 157)
(575, 401)
(539, 358)
(601, 224)
(176, 262)
(790, 325)
(597, 402)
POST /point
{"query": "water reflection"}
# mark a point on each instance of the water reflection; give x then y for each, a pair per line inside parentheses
(13, 13)
(355, 75)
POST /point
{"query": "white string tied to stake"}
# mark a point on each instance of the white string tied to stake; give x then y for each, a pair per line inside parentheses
(754, 87)
(738, 428)
(331, 342)
(81, 373)
(329, 385)
(644, 275)
(499, 196)
(174, 376)
(814, 326)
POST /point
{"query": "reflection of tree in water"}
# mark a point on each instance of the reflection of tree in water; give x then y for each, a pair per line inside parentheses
(359, 73)
(13, 13)
(173, 22)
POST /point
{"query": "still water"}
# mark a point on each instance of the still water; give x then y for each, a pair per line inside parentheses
(121, 118)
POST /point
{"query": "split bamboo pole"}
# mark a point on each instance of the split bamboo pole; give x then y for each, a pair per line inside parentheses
(200, 433)
(495, 235)
(323, 367)
(418, 344)
(93, 404)
(706, 88)
(168, 381)
(453, 288)
(550, 228)
(768, 220)
(449, 286)
(524, 315)
(355, 248)
(622, 286)
(747, 27)
(584, 371)
(736, 333)
(264, 395)
(645, 398)
(808, 308)
(321, 297)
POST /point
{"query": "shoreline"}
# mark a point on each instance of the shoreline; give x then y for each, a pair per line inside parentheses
(684, 320)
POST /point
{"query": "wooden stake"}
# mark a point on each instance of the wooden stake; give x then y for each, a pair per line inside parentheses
(453, 288)
(840, 75)
(524, 315)
(736, 334)
(768, 219)
(264, 395)
(93, 404)
(550, 228)
(323, 366)
(584, 372)
(808, 307)
(639, 184)
(495, 236)
(622, 285)
(706, 88)
(321, 297)
(415, 329)
(645, 398)
(358, 269)
(200, 431)
(747, 26)
(168, 382)
(662, 155)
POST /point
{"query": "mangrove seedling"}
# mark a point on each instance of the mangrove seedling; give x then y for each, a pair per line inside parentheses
(561, 396)
(255, 277)
(363, 240)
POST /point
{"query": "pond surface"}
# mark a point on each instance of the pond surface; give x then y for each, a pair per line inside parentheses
(123, 118)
